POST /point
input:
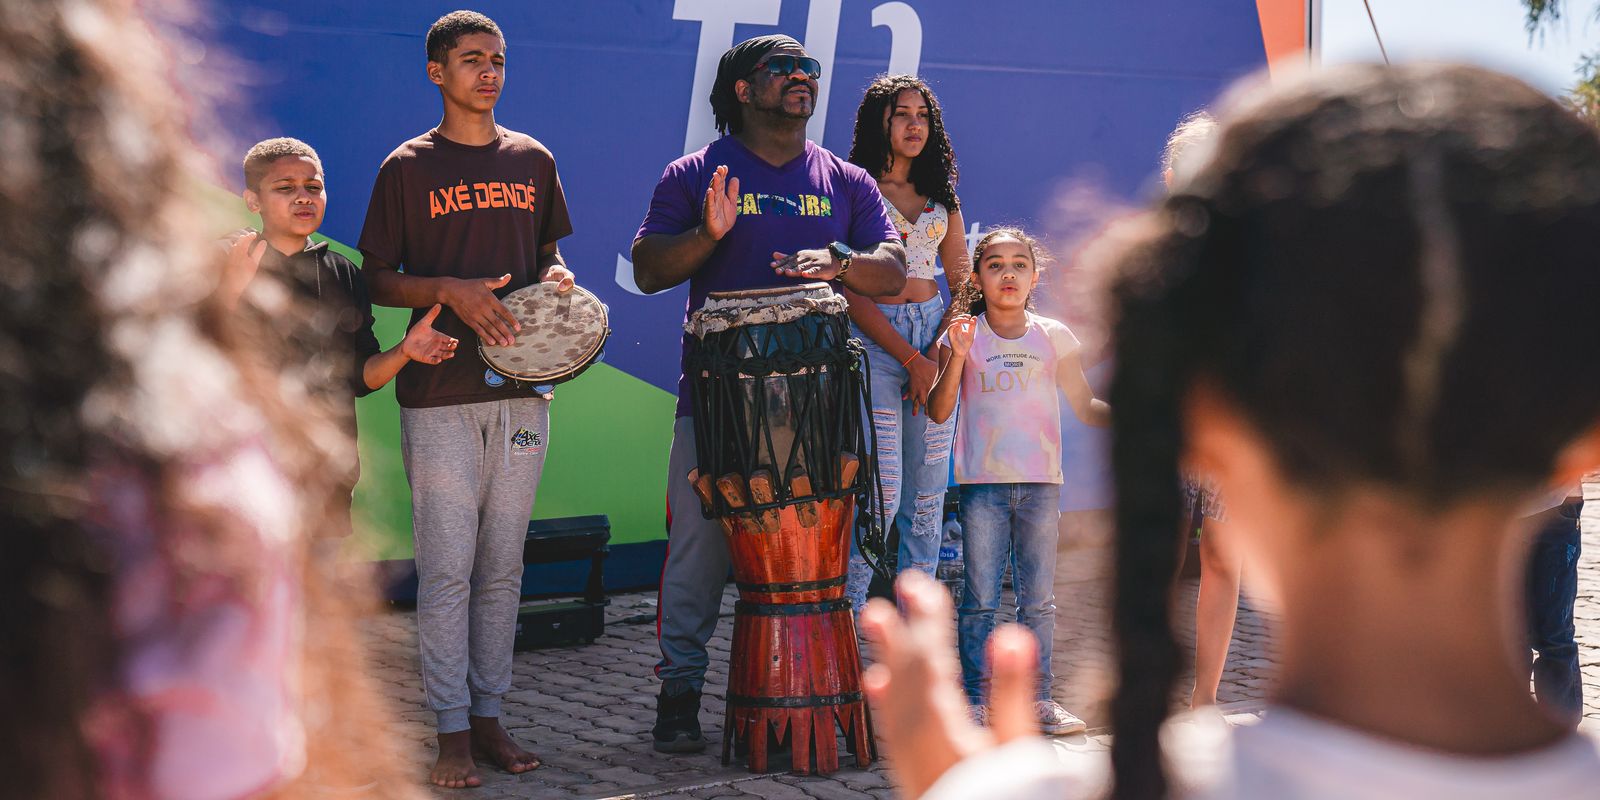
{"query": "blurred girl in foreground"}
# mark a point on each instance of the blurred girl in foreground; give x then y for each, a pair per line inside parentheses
(1370, 319)
(161, 465)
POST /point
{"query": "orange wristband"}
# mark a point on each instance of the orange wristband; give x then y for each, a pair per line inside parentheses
(914, 354)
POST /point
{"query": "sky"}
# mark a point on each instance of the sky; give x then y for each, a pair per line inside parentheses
(1487, 32)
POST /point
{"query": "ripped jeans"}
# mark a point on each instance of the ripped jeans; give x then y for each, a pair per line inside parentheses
(913, 454)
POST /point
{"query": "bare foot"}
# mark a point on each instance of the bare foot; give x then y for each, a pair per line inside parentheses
(455, 768)
(489, 739)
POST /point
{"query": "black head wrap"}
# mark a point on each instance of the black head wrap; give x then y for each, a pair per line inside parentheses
(735, 64)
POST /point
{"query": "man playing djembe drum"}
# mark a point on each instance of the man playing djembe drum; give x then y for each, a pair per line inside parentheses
(760, 206)
(468, 208)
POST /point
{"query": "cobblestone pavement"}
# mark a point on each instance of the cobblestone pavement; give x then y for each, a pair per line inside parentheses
(587, 710)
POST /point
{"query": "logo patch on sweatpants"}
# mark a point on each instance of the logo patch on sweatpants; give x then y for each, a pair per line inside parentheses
(526, 441)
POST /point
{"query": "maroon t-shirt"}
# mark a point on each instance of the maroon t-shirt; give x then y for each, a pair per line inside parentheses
(445, 209)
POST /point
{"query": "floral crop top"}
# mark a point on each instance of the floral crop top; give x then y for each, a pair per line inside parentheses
(922, 237)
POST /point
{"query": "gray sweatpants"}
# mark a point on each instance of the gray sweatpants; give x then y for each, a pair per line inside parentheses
(473, 470)
(696, 569)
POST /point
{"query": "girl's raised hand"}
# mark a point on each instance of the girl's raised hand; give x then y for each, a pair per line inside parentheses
(962, 329)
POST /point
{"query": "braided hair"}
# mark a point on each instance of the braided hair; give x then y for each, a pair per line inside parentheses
(968, 297)
(933, 171)
(1424, 236)
(735, 65)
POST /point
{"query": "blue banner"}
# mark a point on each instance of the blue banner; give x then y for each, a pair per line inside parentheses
(1038, 95)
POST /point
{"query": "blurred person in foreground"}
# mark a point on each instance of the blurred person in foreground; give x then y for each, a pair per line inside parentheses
(1369, 318)
(161, 464)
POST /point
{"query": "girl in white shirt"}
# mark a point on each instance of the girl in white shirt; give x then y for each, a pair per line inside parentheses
(1009, 367)
(1369, 317)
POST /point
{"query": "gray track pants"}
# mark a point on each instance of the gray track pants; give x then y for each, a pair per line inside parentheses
(696, 569)
(473, 471)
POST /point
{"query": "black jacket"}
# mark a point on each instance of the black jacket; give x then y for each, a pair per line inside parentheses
(342, 309)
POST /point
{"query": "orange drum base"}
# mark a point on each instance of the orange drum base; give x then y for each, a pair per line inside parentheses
(795, 677)
(795, 671)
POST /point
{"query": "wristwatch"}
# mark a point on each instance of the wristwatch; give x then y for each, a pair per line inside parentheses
(842, 253)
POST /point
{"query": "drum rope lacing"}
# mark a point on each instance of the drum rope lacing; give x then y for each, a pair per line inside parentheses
(828, 365)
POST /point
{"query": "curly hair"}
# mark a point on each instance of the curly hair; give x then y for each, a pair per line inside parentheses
(448, 29)
(933, 172)
(260, 158)
(1192, 131)
(123, 377)
(968, 297)
(1379, 223)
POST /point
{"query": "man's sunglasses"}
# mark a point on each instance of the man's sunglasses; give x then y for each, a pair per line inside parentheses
(786, 65)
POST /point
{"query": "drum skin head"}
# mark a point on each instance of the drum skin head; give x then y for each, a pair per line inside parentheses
(562, 334)
(774, 293)
(766, 306)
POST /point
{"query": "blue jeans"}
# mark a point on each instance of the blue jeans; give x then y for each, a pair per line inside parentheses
(1552, 590)
(1001, 522)
(913, 455)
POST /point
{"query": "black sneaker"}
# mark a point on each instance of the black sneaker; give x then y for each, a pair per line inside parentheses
(677, 727)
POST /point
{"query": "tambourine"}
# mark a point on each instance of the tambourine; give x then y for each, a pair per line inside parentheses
(562, 334)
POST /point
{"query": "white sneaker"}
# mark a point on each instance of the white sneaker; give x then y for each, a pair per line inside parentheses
(1055, 720)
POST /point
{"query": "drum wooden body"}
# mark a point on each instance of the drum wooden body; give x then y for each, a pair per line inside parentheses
(796, 668)
(778, 411)
(562, 334)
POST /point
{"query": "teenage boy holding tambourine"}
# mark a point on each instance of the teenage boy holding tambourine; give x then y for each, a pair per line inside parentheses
(472, 211)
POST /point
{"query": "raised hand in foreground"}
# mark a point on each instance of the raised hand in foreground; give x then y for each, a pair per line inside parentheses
(914, 688)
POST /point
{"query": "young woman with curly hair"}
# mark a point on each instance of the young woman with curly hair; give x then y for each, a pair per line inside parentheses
(901, 141)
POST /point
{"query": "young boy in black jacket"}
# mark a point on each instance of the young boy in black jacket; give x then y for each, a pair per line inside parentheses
(284, 184)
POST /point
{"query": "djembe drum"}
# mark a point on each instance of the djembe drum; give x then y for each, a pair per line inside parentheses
(778, 389)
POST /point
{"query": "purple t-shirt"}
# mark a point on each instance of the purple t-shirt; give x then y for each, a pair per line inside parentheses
(815, 199)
